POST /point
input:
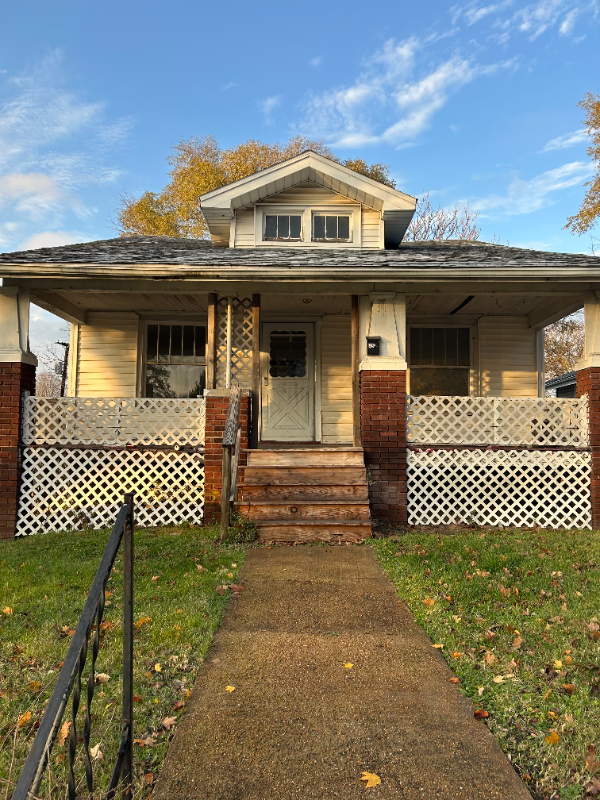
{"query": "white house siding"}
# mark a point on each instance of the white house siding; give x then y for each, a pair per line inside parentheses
(372, 229)
(507, 357)
(336, 380)
(244, 227)
(107, 355)
(309, 195)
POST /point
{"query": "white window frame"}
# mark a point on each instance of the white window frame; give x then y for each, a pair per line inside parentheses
(261, 210)
(315, 213)
(199, 320)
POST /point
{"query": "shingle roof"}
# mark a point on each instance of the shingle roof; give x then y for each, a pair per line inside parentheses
(164, 250)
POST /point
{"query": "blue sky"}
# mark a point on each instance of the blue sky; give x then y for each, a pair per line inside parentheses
(469, 101)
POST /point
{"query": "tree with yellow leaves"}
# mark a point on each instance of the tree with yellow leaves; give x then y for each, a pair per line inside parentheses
(589, 212)
(198, 165)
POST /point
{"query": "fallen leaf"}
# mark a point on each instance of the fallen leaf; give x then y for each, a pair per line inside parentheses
(456, 654)
(230, 689)
(24, 719)
(96, 753)
(7, 610)
(200, 568)
(142, 621)
(569, 688)
(429, 602)
(454, 680)
(480, 691)
(168, 722)
(456, 619)
(63, 733)
(237, 587)
(102, 677)
(547, 695)
(498, 679)
(371, 779)
(34, 686)
(517, 643)
(480, 713)
(147, 742)
(348, 665)
(137, 698)
(489, 658)
(552, 738)
(557, 663)
(221, 589)
(179, 705)
(590, 759)
(158, 668)
(155, 577)
(148, 777)
(438, 646)
(66, 631)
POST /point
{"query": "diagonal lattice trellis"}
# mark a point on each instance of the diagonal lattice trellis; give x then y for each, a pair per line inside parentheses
(508, 487)
(113, 421)
(241, 350)
(67, 489)
(531, 421)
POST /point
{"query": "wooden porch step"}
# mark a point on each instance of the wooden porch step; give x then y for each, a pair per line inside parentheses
(337, 493)
(325, 457)
(307, 475)
(285, 531)
(301, 510)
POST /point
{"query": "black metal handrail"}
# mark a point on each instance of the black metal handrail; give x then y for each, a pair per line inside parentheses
(232, 440)
(69, 678)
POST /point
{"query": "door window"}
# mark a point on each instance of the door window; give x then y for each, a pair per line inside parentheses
(287, 354)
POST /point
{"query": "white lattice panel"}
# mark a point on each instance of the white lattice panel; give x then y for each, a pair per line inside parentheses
(65, 489)
(113, 421)
(513, 488)
(241, 350)
(532, 421)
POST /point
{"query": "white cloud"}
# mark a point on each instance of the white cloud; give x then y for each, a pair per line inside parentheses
(532, 19)
(566, 140)
(268, 105)
(228, 86)
(393, 100)
(53, 239)
(473, 12)
(316, 61)
(568, 23)
(526, 196)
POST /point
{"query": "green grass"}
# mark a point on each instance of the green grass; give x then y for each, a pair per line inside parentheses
(522, 607)
(44, 581)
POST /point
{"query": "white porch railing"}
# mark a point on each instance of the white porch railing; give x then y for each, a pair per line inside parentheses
(498, 461)
(81, 455)
(512, 421)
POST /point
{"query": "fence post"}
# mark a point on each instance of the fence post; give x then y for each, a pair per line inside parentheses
(127, 773)
(225, 491)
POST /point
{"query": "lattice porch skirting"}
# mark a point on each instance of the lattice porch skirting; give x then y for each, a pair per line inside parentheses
(67, 489)
(512, 488)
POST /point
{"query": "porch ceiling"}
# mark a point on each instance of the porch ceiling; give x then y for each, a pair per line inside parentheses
(496, 304)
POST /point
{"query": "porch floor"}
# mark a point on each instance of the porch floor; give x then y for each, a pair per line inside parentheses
(301, 723)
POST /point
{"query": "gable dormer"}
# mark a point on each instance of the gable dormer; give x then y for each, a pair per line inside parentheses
(307, 201)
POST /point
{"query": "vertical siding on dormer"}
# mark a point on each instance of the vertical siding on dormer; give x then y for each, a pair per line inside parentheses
(371, 229)
(244, 227)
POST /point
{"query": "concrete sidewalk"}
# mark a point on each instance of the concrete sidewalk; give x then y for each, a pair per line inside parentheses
(301, 725)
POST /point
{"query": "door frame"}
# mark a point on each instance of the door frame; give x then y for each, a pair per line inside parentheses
(284, 318)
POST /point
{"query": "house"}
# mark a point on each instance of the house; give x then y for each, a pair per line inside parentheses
(383, 381)
(564, 385)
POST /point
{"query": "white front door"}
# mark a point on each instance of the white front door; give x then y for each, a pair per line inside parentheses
(288, 382)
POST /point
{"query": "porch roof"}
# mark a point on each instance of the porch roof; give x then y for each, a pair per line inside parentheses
(163, 256)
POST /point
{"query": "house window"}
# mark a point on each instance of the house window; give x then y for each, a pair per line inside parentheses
(283, 227)
(175, 361)
(331, 228)
(439, 361)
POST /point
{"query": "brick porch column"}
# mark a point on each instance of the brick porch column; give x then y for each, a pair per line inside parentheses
(383, 427)
(588, 382)
(217, 402)
(17, 375)
(383, 404)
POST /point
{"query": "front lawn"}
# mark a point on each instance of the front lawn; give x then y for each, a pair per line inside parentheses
(44, 581)
(517, 616)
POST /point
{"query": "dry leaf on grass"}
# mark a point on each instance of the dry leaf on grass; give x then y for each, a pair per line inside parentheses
(168, 722)
(63, 733)
(371, 779)
(7, 610)
(480, 690)
(480, 714)
(590, 759)
(438, 646)
(552, 738)
(102, 677)
(158, 668)
(429, 602)
(137, 698)
(454, 680)
(34, 686)
(569, 688)
(24, 719)
(498, 679)
(179, 705)
(142, 621)
(96, 753)
(148, 777)
(557, 664)
(230, 689)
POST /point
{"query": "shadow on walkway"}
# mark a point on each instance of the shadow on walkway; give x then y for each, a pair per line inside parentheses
(299, 723)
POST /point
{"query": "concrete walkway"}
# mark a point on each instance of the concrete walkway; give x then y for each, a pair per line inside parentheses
(301, 725)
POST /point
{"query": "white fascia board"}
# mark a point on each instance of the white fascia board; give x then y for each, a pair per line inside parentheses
(226, 195)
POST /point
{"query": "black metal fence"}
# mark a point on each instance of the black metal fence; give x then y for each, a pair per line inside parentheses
(69, 678)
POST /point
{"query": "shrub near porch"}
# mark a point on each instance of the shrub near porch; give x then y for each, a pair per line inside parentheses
(44, 581)
(518, 616)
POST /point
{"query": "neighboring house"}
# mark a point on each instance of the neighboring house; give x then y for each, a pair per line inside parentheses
(422, 362)
(563, 385)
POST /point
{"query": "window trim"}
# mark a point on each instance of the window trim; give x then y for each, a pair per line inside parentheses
(314, 213)
(164, 319)
(472, 367)
(282, 214)
(354, 211)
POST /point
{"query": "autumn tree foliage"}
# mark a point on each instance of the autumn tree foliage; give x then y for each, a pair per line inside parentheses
(563, 344)
(199, 165)
(439, 224)
(589, 211)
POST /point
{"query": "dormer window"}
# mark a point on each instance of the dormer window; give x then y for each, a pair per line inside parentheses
(283, 227)
(331, 228)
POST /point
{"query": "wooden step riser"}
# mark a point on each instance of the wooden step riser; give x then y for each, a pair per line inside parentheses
(309, 511)
(323, 533)
(308, 476)
(304, 493)
(305, 458)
